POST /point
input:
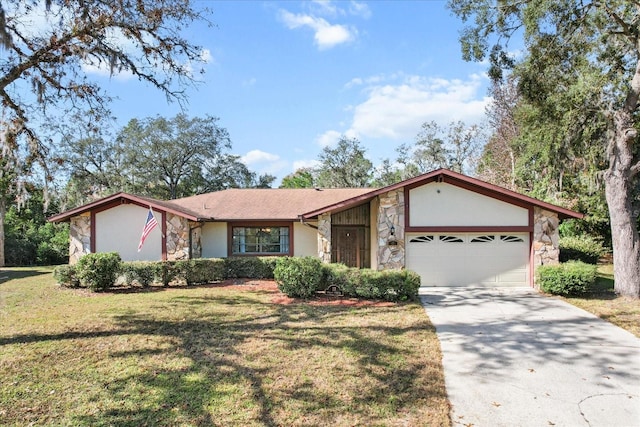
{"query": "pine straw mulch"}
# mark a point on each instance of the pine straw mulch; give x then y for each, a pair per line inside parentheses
(256, 285)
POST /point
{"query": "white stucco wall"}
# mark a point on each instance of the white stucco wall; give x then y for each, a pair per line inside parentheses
(214, 240)
(118, 230)
(305, 240)
(442, 204)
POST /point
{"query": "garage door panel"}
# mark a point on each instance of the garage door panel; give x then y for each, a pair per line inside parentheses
(469, 259)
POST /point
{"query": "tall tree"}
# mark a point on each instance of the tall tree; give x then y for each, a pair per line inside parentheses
(497, 163)
(582, 68)
(301, 178)
(157, 157)
(523, 151)
(344, 166)
(48, 46)
(171, 155)
(455, 146)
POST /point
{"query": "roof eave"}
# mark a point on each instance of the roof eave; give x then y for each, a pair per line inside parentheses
(416, 181)
(157, 205)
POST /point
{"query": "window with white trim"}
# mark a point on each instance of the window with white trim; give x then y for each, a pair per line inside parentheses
(260, 240)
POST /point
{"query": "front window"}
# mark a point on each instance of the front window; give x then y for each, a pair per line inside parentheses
(260, 240)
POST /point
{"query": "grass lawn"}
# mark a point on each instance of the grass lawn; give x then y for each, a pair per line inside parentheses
(604, 303)
(211, 356)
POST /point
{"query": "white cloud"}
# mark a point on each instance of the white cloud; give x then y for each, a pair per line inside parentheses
(396, 111)
(371, 80)
(326, 7)
(326, 35)
(360, 9)
(104, 70)
(205, 56)
(307, 164)
(258, 156)
(263, 162)
(330, 8)
(249, 82)
(329, 138)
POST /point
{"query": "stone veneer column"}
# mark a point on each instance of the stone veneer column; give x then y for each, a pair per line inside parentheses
(177, 237)
(391, 212)
(196, 239)
(546, 238)
(79, 237)
(324, 237)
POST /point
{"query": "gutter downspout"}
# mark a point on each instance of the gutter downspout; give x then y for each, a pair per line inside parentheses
(306, 223)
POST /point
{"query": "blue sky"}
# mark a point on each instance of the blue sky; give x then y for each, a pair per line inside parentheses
(288, 78)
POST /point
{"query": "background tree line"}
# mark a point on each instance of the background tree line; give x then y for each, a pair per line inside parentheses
(181, 156)
(155, 157)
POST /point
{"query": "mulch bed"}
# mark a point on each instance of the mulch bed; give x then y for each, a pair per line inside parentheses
(271, 286)
(265, 286)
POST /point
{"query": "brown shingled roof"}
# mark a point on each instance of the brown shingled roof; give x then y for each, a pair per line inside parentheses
(254, 204)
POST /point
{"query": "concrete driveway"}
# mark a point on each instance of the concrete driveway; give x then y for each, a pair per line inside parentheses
(513, 357)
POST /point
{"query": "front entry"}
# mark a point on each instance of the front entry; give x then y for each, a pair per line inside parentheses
(349, 246)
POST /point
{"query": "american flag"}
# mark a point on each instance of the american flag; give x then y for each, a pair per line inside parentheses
(148, 226)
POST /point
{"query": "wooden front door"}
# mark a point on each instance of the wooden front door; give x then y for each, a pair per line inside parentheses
(347, 247)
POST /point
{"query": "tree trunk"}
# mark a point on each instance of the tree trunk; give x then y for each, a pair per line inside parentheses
(619, 185)
(624, 233)
(3, 212)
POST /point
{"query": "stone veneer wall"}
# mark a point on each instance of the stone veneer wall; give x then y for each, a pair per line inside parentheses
(177, 237)
(196, 239)
(546, 238)
(391, 212)
(79, 237)
(324, 237)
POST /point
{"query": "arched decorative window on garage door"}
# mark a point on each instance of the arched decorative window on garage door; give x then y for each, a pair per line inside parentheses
(421, 239)
(511, 239)
(451, 239)
(483, 239)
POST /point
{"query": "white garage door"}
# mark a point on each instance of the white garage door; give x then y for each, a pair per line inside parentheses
(466, 259)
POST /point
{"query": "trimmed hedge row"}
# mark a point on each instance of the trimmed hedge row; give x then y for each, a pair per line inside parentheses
(581, 248)
(296, 277)
(101, 271)
(302, 277)
(568, 279)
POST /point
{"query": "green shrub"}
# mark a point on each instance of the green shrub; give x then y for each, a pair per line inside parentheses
(98, 271)
(66, 275)
(298, 277)
(389, 285)
(143, 272)
(201, 270)
(250, 267)
(570, 278)
(340, 275)
(581, 248)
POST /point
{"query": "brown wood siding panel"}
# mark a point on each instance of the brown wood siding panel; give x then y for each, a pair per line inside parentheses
(351, 245)
(354, 216)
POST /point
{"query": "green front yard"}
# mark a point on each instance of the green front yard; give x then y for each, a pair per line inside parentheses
(211, 356)
(604, 303)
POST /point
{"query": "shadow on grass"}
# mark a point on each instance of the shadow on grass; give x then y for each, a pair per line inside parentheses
(7, 274)
(220, 371)
(603, 289)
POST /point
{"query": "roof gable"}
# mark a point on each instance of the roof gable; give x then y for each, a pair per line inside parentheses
(457, 179)
(124, 198)
(253, 204)
(250, 204)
